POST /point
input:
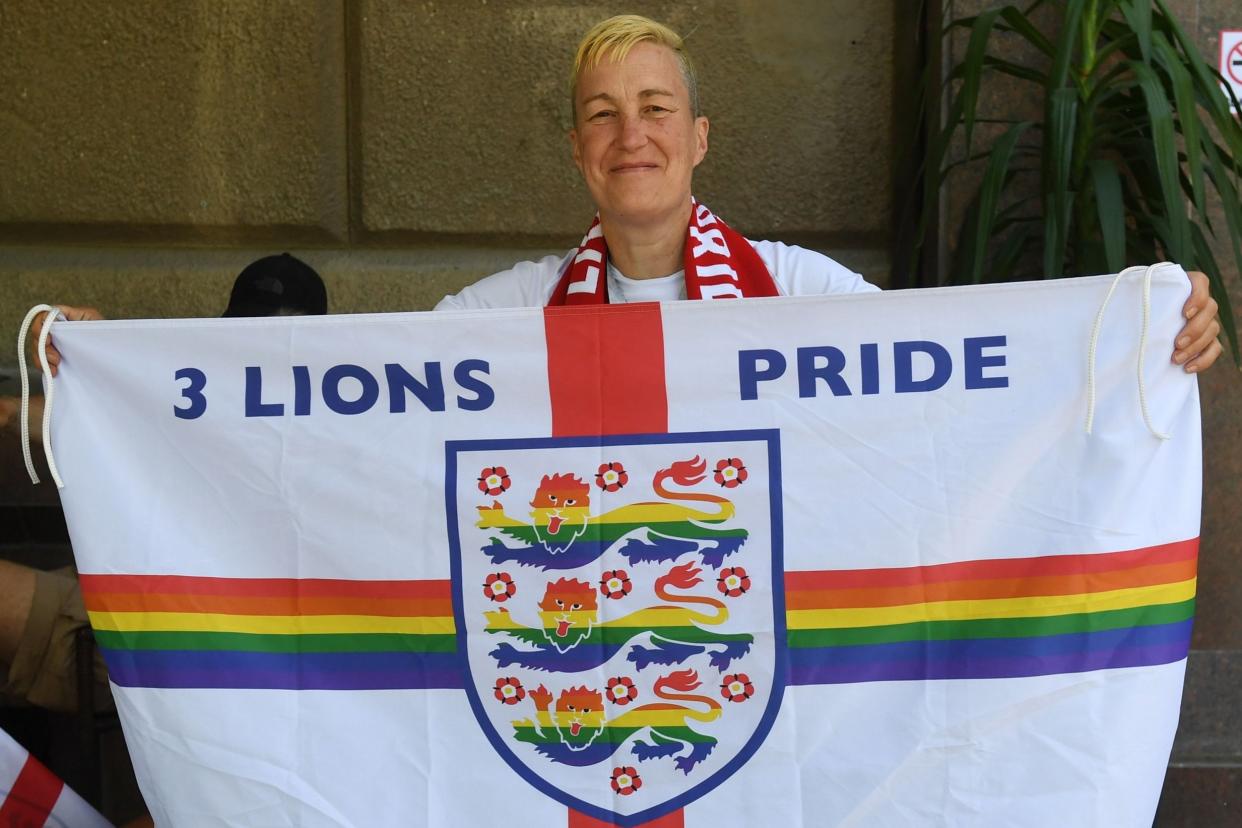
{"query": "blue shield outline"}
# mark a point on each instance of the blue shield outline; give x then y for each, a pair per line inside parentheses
(771, 439)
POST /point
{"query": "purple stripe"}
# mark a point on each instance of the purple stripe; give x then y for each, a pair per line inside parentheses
(991, 658)
(284, 671)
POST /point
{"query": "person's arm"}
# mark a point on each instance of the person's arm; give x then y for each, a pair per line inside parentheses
(10, 416)
(1197, 347)
(71, 313)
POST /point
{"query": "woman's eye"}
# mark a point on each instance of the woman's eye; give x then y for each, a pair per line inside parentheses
(602, 115)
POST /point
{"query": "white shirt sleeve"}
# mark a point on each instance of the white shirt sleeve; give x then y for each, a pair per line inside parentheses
(802, 272)
(525, 285)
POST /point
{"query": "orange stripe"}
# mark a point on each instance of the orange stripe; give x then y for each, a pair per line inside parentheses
(257, 605)
(265, 587)
(1001, 588)
(993, 569)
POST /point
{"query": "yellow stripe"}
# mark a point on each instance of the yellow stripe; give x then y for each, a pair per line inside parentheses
(272, 624)
(664, 616)
(665, 513)
(1037, 607)
(654, 718)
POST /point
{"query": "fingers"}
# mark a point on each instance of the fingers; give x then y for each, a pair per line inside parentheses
(1204, 360)
(72, 314)
(1196, 347)
(1200, 294)
(1196, 334)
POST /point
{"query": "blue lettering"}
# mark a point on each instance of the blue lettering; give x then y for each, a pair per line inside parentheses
(332, 392)
(255, 407)
(749, 375)
(869, 354)
(903, 366)
(975, 360)
(809, 370)
(301, 390)
(464, 373)
(430, 394)
(192, 393)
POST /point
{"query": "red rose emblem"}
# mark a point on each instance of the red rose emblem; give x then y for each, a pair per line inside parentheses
(493, 480)
(733, 581)
(730, 472)
(611, 477)
(625, 780)
(615, 583)
(509, 690)
(621, 690)
(499, 587)
(736, 687)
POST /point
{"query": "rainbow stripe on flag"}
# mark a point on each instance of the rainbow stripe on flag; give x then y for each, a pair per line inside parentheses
(998, 618)
(273, 633)
(992, 618)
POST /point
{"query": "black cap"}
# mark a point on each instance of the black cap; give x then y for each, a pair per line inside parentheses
(281, 285)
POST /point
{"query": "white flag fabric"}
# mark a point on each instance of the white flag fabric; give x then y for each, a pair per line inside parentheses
(815, 561)
(31, 796)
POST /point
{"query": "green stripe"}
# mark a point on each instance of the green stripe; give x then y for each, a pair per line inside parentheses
(613, 735)
(275, 643)
(995, 627)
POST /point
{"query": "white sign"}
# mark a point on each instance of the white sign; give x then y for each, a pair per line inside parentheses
(1231, 60)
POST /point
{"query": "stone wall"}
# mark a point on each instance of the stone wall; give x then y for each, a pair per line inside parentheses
(151, 149)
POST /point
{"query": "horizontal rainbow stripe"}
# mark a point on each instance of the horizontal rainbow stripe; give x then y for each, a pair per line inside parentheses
(974, 619)
(992, 618)
(273, 633)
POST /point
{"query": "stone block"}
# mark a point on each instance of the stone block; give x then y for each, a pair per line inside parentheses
(463, 111)
(200, 120)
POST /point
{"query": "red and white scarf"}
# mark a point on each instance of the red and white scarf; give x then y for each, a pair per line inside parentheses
(719, 264)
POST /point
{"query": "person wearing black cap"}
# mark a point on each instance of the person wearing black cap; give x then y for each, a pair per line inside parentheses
(281, 285)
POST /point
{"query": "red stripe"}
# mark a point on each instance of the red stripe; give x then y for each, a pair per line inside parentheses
(265, 587)
(606, 369)
(674, 820)
(33, 796)
(606, 376)
(992, 569)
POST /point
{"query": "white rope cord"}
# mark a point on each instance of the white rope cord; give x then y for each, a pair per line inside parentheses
(1095, 338)
(1142, 388)
(53, 315)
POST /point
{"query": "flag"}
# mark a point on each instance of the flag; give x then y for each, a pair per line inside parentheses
(830, 561)
(31, 796)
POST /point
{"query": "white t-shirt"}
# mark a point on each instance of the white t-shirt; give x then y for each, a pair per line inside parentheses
(796, 271)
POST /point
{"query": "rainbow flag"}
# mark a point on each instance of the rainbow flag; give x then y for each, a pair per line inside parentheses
(994, 618)
(830, 561)
(274, 633)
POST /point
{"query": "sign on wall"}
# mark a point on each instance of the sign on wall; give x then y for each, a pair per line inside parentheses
(1231, 60)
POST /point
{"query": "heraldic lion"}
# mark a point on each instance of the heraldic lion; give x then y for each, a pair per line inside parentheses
(563, 534)
(571, 638)
(578, 734)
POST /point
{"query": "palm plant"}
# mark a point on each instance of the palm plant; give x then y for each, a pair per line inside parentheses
(1135, 140)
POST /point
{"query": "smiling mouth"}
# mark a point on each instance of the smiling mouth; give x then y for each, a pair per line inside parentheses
(634, 168)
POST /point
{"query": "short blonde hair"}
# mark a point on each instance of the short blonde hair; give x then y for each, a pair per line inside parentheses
(614, 37)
